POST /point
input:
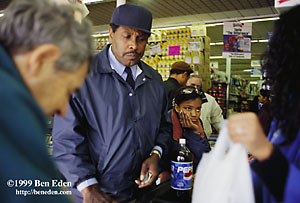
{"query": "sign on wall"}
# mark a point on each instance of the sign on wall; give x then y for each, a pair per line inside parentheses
(237, 40)
(282, 5)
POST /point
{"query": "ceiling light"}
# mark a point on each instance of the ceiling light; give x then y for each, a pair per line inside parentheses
(213, 24)
(247, 70)
(219, 43)
(216, 57)
(100, 35)
(169, 28)
(258, 20)
(254, 41)
(90, 1)
(263, 40)
(253, 82)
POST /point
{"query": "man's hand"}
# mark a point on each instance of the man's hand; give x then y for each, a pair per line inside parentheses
(93, 194)
(164, 176)
(149, 165)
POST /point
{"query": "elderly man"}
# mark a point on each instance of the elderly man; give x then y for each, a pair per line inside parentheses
(211, 112)
(44, 57)
(116, 129)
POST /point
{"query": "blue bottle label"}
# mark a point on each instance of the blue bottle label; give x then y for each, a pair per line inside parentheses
(181, 173)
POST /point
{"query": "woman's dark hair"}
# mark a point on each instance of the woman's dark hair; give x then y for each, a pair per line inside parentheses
(265, 93)
(186, 93)
(281, 63)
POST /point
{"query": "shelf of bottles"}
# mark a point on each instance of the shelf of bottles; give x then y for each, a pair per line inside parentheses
(218, 91)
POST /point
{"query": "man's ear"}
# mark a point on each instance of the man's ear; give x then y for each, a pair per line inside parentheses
(42, 55)
(110, 34)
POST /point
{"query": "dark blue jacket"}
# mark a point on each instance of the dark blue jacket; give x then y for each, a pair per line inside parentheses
(23, 154)
(292, 153)
(110, 129)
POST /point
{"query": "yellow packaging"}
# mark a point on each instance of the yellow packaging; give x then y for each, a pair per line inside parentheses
(188, 57)
(195, 57)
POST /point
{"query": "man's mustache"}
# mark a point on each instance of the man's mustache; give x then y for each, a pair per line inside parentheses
(131, 52)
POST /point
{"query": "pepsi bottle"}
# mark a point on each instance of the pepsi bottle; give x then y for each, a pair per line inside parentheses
(182, 172)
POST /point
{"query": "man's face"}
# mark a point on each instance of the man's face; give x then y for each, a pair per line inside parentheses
(184, 78)
(195, 82)
(128, 44)
(53, 92)
(262, 99)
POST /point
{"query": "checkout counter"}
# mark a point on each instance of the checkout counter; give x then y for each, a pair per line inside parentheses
(162, 193)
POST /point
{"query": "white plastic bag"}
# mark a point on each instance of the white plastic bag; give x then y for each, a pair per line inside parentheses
(223, 174)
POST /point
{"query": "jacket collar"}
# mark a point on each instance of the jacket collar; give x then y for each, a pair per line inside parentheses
(102, 64)
(7, 64)
(174, 81)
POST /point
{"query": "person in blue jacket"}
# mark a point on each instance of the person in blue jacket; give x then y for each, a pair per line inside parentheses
(115, 130)
(44, 56)
(276, 169)
(185, 120)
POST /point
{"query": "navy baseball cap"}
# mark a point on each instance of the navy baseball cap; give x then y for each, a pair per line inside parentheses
(133, 16)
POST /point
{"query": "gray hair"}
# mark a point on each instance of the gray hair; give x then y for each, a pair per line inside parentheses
(29, 23)
(194, 75)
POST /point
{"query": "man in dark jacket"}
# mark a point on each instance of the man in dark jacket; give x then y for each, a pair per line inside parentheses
(38, 71)
(179, 74)
(264, 113)
(116, 129)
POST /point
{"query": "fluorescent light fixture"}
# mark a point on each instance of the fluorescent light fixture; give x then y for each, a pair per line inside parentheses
(263, 40)
(100, 35)
(219, 43)
(213, 24)
(247, 70)
(253, 82)
(169, 28)
(252, 41)
(258, 20)
(216, 57)
(1, 13)
(216, 43)
(90, 1)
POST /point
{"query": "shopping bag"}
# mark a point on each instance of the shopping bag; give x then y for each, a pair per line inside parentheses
(223, 175)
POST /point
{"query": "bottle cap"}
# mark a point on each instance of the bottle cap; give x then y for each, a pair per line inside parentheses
(181, 141)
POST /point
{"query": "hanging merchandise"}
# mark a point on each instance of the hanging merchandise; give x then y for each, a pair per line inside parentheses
(198, 30)
(223, 174)
(255, 69)
(237, 40)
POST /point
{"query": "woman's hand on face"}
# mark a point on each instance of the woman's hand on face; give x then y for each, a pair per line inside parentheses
(186, 121)
(245, 128)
